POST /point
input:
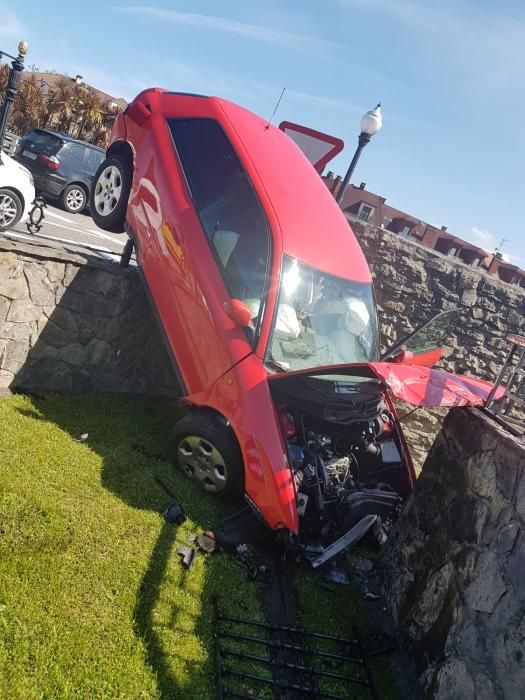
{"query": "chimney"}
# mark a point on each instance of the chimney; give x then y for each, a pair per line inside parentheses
(336, 184)
(362, 186)
(443, 228)
(78, 79)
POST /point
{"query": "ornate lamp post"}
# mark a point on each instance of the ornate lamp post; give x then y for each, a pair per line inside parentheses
(371, 122)
(17, 66)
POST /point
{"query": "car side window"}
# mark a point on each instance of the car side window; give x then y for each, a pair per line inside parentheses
(93, 159)
(228, 207)
(75, 152)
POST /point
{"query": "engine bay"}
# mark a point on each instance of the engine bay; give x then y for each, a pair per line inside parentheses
(345, 452)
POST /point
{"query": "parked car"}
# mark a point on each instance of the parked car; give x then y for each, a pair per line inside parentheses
(63, 167)
(266, 303)
(17, 192)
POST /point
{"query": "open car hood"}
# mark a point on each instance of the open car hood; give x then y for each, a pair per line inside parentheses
(426, 387)
(420, 386)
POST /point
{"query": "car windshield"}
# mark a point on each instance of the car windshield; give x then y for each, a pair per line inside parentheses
(322, 320)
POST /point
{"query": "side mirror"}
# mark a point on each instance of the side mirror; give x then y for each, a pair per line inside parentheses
(138, 112)
(403, 356)
(239, 312)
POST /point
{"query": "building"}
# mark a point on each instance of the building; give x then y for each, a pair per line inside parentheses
(359, 204)
(48, 84)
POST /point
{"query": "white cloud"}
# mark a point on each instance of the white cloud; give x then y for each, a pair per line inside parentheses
(484, 239)
(11, 26)
(231, 26)
(489, 242)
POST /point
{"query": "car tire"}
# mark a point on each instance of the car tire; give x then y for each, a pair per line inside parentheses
(11, 209)
(204, 447)
(108, 199)
(73, 199)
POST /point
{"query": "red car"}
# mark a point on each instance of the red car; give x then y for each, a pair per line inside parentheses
(266, 303)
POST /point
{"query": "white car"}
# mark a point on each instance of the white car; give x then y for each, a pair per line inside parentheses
(17, 192)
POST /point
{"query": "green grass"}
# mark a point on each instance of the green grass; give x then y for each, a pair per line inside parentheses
(94, 602)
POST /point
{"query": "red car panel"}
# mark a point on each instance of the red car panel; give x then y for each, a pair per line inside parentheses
(341, 422)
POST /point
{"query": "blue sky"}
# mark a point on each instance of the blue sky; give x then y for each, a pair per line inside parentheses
(449, 74)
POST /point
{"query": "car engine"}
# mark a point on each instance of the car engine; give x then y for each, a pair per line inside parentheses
(343, 448)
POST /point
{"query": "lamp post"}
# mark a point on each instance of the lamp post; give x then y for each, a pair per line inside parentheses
(17, 66)
(371, 122)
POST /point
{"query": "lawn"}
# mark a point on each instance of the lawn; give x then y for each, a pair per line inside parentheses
(94, 600)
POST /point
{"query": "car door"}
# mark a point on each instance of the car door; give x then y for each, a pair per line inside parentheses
(184, 209)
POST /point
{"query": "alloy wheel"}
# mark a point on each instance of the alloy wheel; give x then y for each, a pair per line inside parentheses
(75, 199)
(8, 210)
(108, 190)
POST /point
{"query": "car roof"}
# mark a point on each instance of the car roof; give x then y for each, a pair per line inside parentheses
(68, 138)
(313, 227)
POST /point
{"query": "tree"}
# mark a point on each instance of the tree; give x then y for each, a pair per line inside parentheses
(91, 111)
(58, 104)
(28, 108)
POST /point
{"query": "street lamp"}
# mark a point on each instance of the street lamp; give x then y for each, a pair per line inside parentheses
(371, 122)
(17, 66)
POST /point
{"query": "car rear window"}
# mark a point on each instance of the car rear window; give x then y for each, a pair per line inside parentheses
(44, 141)
(228, 207)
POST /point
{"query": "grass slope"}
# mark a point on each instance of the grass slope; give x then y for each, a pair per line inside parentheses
(94, 602)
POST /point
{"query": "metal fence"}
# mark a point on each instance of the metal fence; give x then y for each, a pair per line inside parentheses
(510, 409)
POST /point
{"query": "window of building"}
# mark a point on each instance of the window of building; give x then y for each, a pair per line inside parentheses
(365, 212)
(476, 262)
(228, 207)
(405, 231)
(452, 252)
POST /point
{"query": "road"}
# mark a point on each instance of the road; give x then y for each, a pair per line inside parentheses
(74, 232)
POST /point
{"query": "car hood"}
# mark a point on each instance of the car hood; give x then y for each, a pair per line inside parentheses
(423, 387)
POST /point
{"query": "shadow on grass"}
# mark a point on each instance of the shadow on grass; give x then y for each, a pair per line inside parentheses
(131, 437)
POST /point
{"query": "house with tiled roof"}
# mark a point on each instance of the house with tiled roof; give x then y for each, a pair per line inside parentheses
(359, 204)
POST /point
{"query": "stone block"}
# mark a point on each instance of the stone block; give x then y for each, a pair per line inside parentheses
(14, 355)
(15, 331)
(515, 567)
(507, 538)
(4, 308)
(74, 354)
(487, 586)
(23, 311)
(12, 280)
(41, 291)
(453, 682)
(55, 270)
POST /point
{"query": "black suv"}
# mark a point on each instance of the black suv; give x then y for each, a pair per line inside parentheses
(62, 166)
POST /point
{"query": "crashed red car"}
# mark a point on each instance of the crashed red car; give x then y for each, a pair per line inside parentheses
(267, 306)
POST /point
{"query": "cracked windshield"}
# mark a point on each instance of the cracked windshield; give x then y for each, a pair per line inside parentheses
(322, 320)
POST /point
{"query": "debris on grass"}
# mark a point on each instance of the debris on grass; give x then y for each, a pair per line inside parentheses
(174, 512)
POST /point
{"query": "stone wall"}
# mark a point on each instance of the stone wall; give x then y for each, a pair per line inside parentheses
(413, 283)
(454, 566)
(75, 323)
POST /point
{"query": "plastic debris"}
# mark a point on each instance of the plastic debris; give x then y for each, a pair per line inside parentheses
(174, 512)
(188, 556)
(335, 575)
(82, 438)
(207, 542)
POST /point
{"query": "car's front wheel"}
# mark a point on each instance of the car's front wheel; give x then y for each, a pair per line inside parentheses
(205, 449)
(109, 195)
(73, 199)
(11, 209)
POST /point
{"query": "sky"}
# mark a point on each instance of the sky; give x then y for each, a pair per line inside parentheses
(449, 75)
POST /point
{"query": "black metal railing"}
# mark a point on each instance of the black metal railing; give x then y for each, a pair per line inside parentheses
(509, 410)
